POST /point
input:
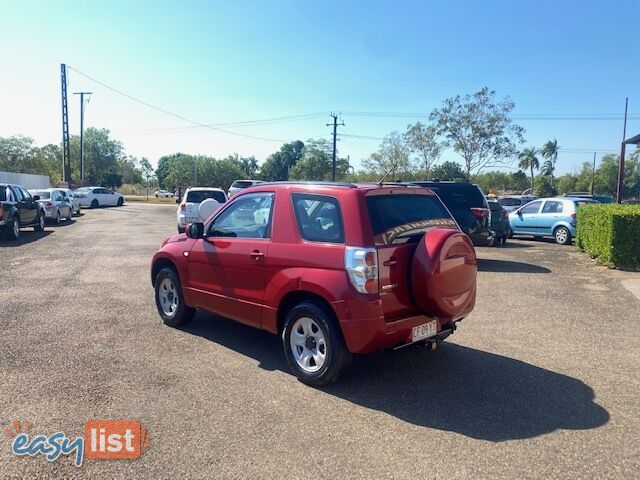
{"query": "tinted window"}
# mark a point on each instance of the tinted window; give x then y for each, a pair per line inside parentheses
(197, 196)
(552, 207)
(509, 202)
(247, 217)
(460, 195)
(25, 195)
(532, 207)
(397, 218)
(318, 217)
(4, 193)
(495, 207)
(242, 183)
(43, 195)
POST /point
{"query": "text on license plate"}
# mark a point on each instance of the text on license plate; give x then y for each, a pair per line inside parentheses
(426, 330)
(192, 219)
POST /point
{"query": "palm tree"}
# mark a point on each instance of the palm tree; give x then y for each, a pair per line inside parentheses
(529, 160)
(550, 152)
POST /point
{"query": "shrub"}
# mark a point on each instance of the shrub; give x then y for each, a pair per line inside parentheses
(610, 233)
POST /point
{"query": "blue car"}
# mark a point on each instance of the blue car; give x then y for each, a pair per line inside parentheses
(548, 217)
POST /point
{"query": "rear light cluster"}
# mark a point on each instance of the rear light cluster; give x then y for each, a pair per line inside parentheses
(362, 266)
(480, 212)
(183, 206)
(48, 205)
(573, 216)
(1, 212)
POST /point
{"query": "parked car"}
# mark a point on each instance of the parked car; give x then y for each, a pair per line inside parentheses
(18, 208)
(513, 202)
(631, 202)
(95, 197)
(56, 204)
(239, 185)
(469, 207)
(163, 194)
(548, 217)
(499, 223)
(73, 200)
(597, 198)
(188, 211)
(333, 269)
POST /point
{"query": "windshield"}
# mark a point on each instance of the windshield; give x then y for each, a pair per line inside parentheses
(510, 202)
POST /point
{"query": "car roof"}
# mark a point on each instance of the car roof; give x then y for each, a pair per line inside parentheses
(205, 188)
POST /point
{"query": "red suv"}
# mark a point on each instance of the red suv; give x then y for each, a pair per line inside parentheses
(333, 268)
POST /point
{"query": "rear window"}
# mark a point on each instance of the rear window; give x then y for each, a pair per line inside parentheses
(460, 195)
(495, 207)
(43, 195)
(197, 196)
(402, 218)
(242, 184)
(509, 202)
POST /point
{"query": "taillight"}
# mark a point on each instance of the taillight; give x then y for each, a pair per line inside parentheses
(48, 205)
(480, 212)
(183, 206)
(573, 216)
(1, 211)
(362, 266)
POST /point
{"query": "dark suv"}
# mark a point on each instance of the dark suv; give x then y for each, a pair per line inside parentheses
(18, 208)
(333, 269)
(469, 207)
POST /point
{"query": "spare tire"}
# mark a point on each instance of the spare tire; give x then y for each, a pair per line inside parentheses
(443, 274)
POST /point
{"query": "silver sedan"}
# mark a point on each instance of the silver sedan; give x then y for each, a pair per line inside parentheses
(56, 204)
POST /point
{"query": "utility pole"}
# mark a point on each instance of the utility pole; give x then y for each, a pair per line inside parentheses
(66, 156)
(620, 189)
(82, 94)
(335, 131)
(593, 172)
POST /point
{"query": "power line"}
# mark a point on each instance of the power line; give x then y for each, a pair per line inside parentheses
(167, 112)
(517, 116)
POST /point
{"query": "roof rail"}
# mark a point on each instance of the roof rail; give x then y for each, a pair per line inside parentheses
(300, 182)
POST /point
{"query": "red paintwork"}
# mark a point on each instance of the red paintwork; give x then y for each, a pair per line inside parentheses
(219, 274)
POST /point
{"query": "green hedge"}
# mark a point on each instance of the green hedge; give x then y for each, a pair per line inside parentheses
(610, 233)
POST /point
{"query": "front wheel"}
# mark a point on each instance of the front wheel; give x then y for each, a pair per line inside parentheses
(313, 344)
(562, 235)
(120, 201)
(169, 299)
(94, 203)
(70, 215)
(57, 217)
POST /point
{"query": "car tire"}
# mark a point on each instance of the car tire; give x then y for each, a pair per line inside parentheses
(169, 299)
(40, 225)
(562, 235)
(57, 219)
(314, 345)
(95, 203)
(13, 230)
(181, 229)
(70, 216)
(120, 202)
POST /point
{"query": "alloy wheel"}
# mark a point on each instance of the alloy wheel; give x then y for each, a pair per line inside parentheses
(168, 296)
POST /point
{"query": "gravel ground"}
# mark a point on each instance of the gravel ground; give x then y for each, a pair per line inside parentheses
(541, 381)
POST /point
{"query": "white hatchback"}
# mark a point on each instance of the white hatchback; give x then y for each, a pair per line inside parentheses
(190, 210)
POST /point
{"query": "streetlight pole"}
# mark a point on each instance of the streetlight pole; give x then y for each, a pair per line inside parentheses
(82, 94)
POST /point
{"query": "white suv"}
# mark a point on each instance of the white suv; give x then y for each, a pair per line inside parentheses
(189, 210)
(239, 185)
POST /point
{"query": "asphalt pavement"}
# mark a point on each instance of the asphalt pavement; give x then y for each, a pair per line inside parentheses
(541, 381)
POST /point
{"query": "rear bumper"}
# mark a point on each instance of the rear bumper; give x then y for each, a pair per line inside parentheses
(369, 334)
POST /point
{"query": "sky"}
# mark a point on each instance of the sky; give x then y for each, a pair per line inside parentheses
(380, 65)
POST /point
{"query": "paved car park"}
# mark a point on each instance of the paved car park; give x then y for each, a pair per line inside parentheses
(540, 381)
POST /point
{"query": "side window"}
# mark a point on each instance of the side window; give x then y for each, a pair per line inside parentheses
(533, 207)
(247, 217)
(9, 194)
(318, 218)
(552, 207)
(25, 195)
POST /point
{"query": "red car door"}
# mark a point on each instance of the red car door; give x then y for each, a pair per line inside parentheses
(227, 267)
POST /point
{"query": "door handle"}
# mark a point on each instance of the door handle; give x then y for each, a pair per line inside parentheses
(256, 254)
(390, 263)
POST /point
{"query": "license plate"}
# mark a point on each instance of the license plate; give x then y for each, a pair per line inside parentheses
(192, 219)
(426, 330)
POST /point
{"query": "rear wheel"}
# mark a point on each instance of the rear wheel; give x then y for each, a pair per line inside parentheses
(313, 344)
(70, 215)
(562, 235)
(13, 230)
(169, 299)
(94, 203)
(40, 226)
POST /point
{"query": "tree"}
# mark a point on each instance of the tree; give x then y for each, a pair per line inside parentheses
(550, 152)
(451, 171)
(317, 163)
(528, 160)
(101, 156)
(423, 141)
(479, 128)
(392, 159)
(276, 166)
(147, 172)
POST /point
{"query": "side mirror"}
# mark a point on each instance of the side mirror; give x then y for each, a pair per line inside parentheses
(195, 230)
(36, 197)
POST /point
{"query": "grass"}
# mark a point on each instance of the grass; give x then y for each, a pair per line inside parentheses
(152, 199)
